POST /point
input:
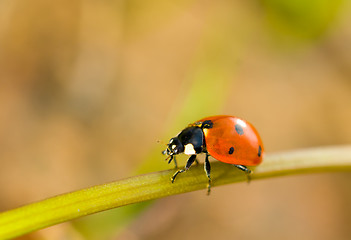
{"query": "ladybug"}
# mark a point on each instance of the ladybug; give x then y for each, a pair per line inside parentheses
(228, 139)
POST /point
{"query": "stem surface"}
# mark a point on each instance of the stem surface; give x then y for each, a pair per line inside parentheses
(155, 185)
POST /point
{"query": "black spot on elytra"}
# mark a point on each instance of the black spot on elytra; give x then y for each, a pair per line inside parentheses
(259, 151)
(239, 129)
(231, 150)
(207, 124)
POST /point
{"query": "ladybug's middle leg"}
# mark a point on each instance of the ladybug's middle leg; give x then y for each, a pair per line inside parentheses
(207, 167)
(187, 166)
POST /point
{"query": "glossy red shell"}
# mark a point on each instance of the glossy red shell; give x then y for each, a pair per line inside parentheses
(233, 140)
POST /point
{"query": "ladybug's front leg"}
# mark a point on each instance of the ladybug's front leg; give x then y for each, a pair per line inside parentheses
(187, 166)
(175, 161)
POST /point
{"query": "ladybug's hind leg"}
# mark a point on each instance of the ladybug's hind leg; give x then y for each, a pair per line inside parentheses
(246, 170)
(187, 166)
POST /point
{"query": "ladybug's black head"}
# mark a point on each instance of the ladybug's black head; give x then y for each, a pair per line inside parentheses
(174, 147)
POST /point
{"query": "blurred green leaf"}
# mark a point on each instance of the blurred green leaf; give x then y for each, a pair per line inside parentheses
(299, 19)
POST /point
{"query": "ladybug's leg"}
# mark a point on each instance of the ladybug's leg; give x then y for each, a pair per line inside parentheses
(172, 157)
(187, 166)
(246, 170)
(175, 162)
(207, 167)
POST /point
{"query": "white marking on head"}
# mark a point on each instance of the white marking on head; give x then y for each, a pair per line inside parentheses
(189, 149)
(241, 122)
(173, 147)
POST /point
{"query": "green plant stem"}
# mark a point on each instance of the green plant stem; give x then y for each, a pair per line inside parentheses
(155, 185)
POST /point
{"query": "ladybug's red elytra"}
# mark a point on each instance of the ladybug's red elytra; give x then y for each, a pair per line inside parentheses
(226, 138)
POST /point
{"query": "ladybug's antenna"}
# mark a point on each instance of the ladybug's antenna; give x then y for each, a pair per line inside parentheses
(169, 158)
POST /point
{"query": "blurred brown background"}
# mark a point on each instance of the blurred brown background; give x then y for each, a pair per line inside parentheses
(88, 87)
